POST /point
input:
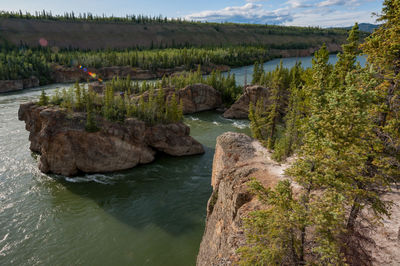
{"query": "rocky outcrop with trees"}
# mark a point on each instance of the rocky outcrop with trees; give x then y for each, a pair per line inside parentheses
(68, 148)
(239, 161)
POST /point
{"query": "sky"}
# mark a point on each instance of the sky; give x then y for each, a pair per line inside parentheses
(322, 13)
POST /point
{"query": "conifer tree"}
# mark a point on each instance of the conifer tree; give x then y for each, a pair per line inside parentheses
(382, 48)
(258, 71)
(347, 60)
(90, 119)
(78, 96)
(279, 227)
(44, 99)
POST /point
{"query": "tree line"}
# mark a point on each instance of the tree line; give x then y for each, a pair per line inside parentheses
(25, 62)
(225, 84)
(342, 122)
(145, 19)
(114, 105)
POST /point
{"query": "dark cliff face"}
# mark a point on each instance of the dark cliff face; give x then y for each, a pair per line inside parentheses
(67, 149)
(240, 109)
(17, 85)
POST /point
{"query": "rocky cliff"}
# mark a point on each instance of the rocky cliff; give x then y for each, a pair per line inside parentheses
(67, 149)
(240, 109)
(17, 85)
(195, 98)
(237, 159)
(62, 74)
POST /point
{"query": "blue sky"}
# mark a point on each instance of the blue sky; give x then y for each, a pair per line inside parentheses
(323, 13)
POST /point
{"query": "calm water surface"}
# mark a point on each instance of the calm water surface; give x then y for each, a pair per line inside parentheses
(306, 62)
(150, 215)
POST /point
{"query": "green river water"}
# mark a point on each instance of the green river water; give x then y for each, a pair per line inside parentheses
(150, 215)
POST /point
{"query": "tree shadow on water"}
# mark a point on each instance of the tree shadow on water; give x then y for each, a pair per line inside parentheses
(171, 192)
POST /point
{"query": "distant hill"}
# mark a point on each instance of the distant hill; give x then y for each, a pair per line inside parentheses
(91, 35)
(367, 27)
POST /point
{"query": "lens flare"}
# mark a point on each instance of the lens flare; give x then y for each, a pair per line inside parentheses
(93, 75)
(43, 42)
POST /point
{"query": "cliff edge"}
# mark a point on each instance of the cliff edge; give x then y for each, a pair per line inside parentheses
(237, 159)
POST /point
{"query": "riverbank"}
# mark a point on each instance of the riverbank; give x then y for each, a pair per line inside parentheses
(243, 74)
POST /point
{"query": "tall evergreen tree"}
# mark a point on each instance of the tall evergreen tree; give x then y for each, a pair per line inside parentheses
(44, 99)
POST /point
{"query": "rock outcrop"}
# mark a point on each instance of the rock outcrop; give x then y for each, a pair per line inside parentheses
(237, 159)
(17, 85)
(240, 109)
(66, 148)
(199, 97)
(195, 98)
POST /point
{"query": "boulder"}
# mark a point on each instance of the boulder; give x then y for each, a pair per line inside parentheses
(240, 109)
(66, 148)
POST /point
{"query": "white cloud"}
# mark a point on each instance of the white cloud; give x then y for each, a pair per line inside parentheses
(249, 13)
(337, 18)
(327, 3)
(323, 13)
(297, 4)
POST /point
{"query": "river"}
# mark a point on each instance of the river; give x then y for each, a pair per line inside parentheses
(150, 215)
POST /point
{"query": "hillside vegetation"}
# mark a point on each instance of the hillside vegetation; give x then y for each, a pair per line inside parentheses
(119, 33)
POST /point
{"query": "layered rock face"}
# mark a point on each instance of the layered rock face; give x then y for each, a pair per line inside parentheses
(67, 149)
(195, 98)
(16, 85)
(61, 74)
(240, 109)
(237, 159)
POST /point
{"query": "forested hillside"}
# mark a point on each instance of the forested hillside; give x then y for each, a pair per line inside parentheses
(90, 32)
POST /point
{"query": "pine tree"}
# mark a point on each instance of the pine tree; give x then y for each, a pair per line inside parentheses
(382, 48)
(44, 99)
(108, 103)
(274, 234)
(78, 96)
(291, 138)
(258, 71)
(347, 59)
(90, 120)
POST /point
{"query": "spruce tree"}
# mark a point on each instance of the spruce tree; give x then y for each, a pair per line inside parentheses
(44, 99)
(90, 116)
(78, 96)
